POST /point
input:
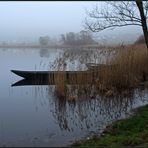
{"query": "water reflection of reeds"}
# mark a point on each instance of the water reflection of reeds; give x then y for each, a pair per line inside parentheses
(92, 113)
(88, 111)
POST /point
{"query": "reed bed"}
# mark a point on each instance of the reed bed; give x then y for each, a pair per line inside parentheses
(129, 70)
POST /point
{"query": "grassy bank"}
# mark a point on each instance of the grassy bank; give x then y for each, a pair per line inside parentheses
(128, 132)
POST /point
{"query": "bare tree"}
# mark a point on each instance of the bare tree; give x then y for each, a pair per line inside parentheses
(119, 14)
(144, 17)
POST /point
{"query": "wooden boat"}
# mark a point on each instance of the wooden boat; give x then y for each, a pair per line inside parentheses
(92, 69)
(99, 67)
(45, 75)
(27, 82)
(69, 77)
(54, 77)
(31, 74)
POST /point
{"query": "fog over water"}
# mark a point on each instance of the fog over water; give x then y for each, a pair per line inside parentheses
(63, 106)
(27, 21)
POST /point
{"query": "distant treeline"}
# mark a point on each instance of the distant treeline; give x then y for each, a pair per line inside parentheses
(70, 38)
(54, 46)
(81, 38)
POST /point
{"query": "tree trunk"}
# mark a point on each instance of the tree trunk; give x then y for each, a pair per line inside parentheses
(143, 20)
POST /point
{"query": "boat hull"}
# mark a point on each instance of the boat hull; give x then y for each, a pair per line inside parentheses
(31, 74)
(45, 75)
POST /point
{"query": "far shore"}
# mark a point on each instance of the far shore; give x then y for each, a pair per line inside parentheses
(61, 46)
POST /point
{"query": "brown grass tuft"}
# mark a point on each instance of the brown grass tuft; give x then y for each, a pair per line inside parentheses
(132, 64)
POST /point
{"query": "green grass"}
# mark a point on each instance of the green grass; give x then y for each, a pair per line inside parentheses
(128, 132)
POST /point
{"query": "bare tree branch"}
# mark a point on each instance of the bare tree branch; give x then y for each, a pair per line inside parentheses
(116, 14)
(146, 8)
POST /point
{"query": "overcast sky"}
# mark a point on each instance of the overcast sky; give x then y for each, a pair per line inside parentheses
(29, 20)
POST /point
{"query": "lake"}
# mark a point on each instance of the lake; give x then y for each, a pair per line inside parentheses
(35, 116)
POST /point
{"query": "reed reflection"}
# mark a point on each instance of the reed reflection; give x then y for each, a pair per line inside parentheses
(81, 110)
(81, 107)
(75, 103)
(44, 52)
(90, 113)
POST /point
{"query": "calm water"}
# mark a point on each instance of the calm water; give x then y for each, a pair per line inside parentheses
(34, 116)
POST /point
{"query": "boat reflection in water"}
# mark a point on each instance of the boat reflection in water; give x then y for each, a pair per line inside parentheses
(55, 77)
(30, 82)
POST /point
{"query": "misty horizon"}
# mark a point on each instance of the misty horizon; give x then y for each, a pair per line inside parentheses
(27, 21)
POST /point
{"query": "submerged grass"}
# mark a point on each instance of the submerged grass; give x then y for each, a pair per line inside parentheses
(128, 132)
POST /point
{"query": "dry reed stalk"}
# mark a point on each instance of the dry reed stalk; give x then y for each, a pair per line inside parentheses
(132, 62)
(60, 81)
